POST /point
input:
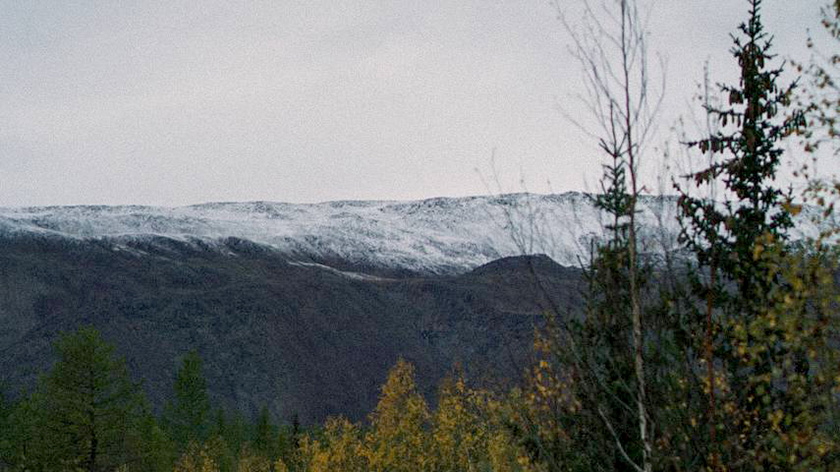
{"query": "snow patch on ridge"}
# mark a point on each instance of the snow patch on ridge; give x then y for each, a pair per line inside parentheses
(438, 235)
(342, 273)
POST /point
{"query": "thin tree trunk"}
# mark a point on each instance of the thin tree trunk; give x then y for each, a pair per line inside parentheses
(94, 442)
(710, 368)
(638, 339)
(638, 345)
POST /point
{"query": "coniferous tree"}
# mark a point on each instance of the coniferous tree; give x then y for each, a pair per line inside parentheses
(758, 365)
(219, 425)
(265, 435)
(289, 444)
(236, 432)
(187, 415)
(725, 234)
(596, 354)
(158, 449)
(28, 439)
(602, 356)
(6, 435)
(91, 405)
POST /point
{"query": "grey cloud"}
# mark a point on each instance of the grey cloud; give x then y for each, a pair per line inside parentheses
(174, 103)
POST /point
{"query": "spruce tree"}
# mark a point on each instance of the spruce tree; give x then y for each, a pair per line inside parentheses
(6, 438)
(736, 283)
(265, 435)
(187, 415)
(605, 349)
(91, 405)
(725, 234)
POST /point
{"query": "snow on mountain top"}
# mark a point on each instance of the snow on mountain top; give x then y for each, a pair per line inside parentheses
(437, 235)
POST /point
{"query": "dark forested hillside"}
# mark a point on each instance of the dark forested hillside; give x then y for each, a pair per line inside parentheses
(301, 338)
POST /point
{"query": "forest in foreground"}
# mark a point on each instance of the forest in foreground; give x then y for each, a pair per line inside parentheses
(728, 360)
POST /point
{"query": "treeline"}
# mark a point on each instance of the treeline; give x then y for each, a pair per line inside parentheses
(87, 414)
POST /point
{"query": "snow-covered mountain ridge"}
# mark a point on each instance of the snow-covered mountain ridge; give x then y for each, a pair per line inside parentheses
(439, 235)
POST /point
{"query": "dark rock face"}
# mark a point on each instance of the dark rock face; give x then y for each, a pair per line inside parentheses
(302, 338)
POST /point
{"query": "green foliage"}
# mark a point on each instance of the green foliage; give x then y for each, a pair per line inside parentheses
(597, 360)
(158, 450)
(288, 444)
(615, 201)
(781, 417)
(766, 393)
(187, 416)
(91, 403)
(265, 435)
(6, 433)
(578, 413)
(27, 447)
(753, 125)
(86, 413)
(236, 433)
(598, 350)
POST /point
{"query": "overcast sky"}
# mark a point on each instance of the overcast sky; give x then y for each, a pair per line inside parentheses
(172, 103)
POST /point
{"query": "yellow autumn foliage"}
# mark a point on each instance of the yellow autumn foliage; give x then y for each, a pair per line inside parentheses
(250, 461)
(461, 428)
(197, 458)
(398, 440)
(339, 449)
(280, 466)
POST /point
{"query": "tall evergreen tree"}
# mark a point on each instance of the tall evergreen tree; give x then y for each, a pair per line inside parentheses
(6, 437)
(236, 431)
(91, 405)
(27, 436)
(731, 239)
(265, 435)
(187, 415)
(725, 234)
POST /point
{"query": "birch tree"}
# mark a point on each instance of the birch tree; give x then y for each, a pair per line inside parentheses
(610, 44)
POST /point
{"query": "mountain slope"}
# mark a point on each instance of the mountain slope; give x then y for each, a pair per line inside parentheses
(298, 338)
(441, 235)
(299, 307)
